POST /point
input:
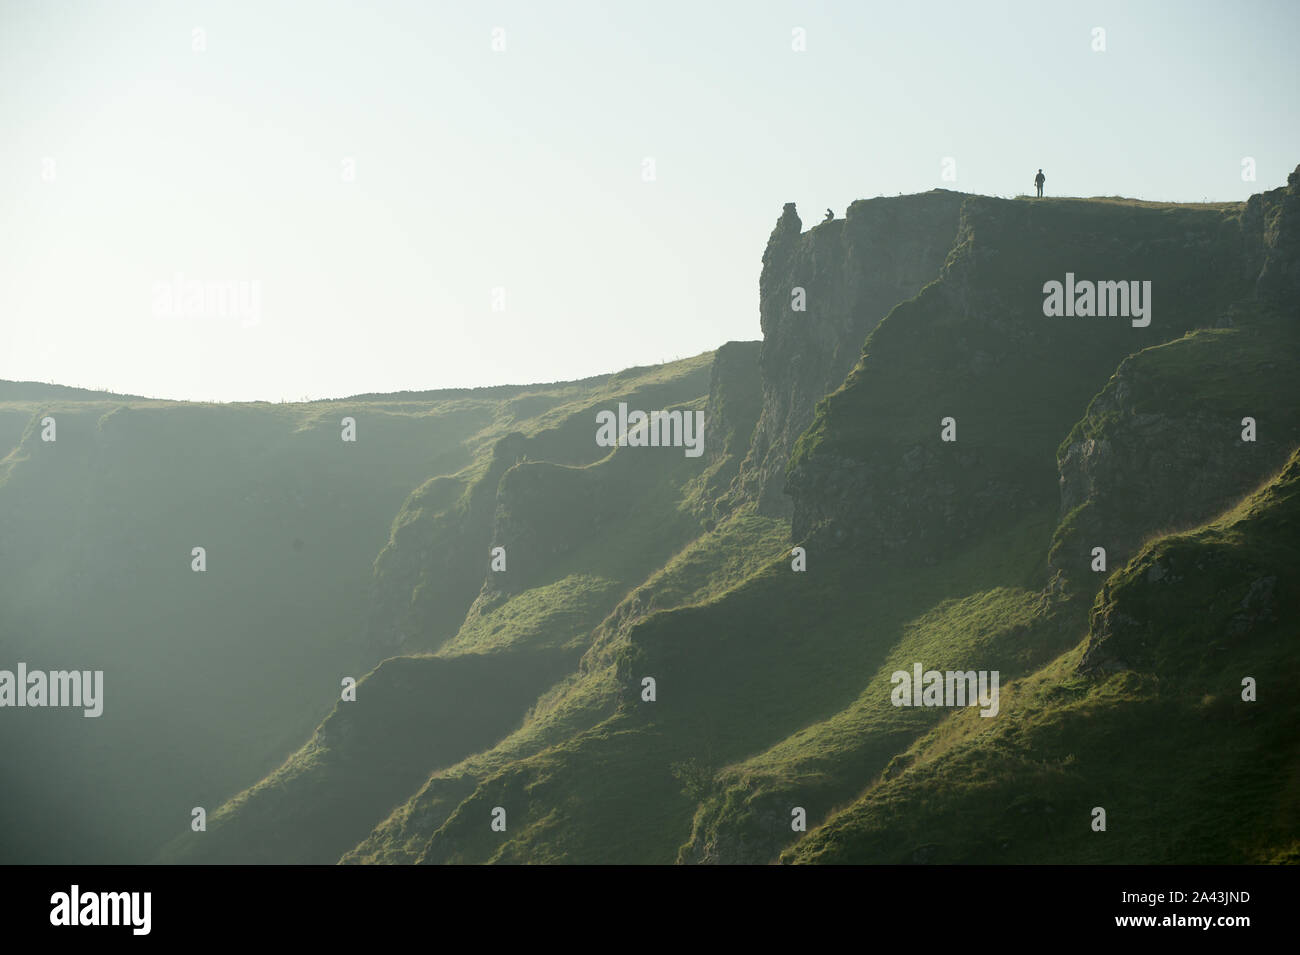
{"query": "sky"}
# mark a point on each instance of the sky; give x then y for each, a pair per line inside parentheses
(419, 195)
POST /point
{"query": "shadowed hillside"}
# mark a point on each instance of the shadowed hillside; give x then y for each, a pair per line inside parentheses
(212, 678)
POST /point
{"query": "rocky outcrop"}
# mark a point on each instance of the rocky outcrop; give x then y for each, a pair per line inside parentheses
(1161, 447)
(735, 400)
(852, 272)
(427, 577)
(1227, 586)
(872, 474)
(1152, 473)
(1277, 215)
(730, 413)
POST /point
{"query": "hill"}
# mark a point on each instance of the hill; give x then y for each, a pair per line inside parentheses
(212, 678)
(571, 652)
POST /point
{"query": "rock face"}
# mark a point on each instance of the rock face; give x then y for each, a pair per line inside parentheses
(872, 474)
(1152, 473)
(852, 271)
(730, 413)
(423, 584)
(1277, 215)
(1227, 585)
(1154, 464)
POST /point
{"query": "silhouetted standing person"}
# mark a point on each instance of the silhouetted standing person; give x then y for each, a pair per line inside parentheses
(1038, 181)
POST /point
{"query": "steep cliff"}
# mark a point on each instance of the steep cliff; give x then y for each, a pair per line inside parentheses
(734, 403)
(851, 271)
(875, 470)
(1161, 447)
(1182, 430)
(1275, 217)
(1179, 432)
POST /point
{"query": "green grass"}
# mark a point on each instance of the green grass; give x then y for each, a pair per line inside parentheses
(1230, 372)
(1112, 201)
(711, 564)
(1195, 391)
(1186, 770)
(722, 692)
(558, 616)
(328, 795)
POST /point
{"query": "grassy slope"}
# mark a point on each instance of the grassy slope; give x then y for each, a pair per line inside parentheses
(626, 790)
(1186, 770)
(211, 675)
(744, 813)
(590, 533)
(424, 582)
(1233, 372)
(329, 793)
(1219, 374)
(215, 676)
(710, 564)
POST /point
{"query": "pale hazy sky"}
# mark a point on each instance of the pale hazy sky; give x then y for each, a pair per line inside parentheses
(523, 169)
